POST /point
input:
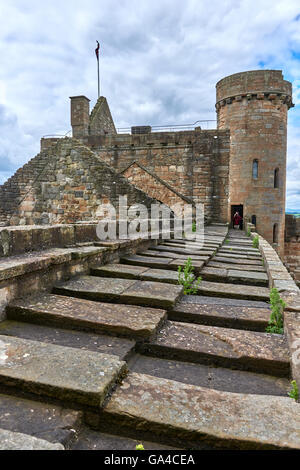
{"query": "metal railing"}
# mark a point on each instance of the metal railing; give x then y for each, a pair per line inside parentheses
(57, 136)
(206, 124)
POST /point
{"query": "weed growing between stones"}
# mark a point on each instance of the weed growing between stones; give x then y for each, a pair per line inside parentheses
(255, 242)
(248, 232)
(187, 279)
(194, 227)
(276, 319)
(294, 393)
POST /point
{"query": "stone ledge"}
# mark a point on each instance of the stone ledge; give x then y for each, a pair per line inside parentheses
(16, 441)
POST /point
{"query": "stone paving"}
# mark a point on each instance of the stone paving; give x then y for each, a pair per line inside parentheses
(123, 349)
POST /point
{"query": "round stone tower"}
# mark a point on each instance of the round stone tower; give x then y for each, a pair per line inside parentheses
(254, 105)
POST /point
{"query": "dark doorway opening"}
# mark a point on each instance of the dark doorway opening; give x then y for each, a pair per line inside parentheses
(240, 210)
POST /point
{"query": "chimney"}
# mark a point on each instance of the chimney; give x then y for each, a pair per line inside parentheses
(80, 115)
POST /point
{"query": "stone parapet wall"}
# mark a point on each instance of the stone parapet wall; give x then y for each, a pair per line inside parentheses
(194, 163)
(280, 278)
(66, 183)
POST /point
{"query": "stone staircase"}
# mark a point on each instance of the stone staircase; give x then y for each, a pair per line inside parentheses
(121, 356)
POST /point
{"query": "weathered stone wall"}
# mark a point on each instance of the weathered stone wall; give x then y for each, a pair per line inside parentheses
(292, 246)
(64, 184)
(194, 163)
(254, 105)
(142, 178)
(101, 121)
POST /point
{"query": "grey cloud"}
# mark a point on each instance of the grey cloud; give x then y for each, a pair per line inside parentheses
(160, 62)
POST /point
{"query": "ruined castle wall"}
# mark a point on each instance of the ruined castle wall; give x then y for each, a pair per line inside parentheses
(195, 163)
(292, 246)
(64, 184)
(254, 105)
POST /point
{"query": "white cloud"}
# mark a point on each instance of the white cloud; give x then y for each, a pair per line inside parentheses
(160, 62)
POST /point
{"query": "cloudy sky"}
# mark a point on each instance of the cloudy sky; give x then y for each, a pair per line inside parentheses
(160, 61)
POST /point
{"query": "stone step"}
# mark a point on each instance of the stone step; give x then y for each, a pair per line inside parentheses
(235, 291)
(217, 378)
(121, 347)
(125, 271)
(235, 276)
(245, 350)
(224, 301)
(206, 243)
(67, 374)
(246, 267)
(228, 316)
(169, 254)
(244, 261)
(182, 251)
(243, 253)
(187, 247)
(162, 263)
(125, 291)
(17, 441)
(240, 249)
(70, 312)
(202, 418)
(95, 440)
(226, 254)
(41, 420)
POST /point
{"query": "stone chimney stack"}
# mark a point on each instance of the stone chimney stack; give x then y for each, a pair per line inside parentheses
(80, 115)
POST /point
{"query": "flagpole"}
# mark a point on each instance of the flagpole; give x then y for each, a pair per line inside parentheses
(98, 66)
(98, 78)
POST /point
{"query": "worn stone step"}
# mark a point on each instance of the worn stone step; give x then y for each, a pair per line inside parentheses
(236, 291)
(169, 254)
(228, 316)
(162, 263)
(241, 249)
(121, 347)
(136, 272)
(244, 256)
(67, 374)
(144, 293)
(41, 420)
(218, 378)
(242, 253)
(182, 251)
(70, 312)
(206, 300)
(221, 259)
(206, 243)
(246, 350)
(187, 247)
(200, 417)
(246, 267)
(235, 276)
(17, 441)
(95, 440)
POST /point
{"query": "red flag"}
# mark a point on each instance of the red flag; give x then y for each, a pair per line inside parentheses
(97, 50)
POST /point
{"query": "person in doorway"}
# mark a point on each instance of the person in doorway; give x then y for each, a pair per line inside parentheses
(237, 221)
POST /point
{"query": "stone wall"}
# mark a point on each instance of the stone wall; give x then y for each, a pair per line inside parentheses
(254, 105)
(292, 246)
(65, 183)
(142, 178)
(195, 164)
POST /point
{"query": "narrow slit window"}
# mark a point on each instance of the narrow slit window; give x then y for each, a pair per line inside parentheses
(253, 220)
(276, 178)
(275, 233)
(255, 169)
